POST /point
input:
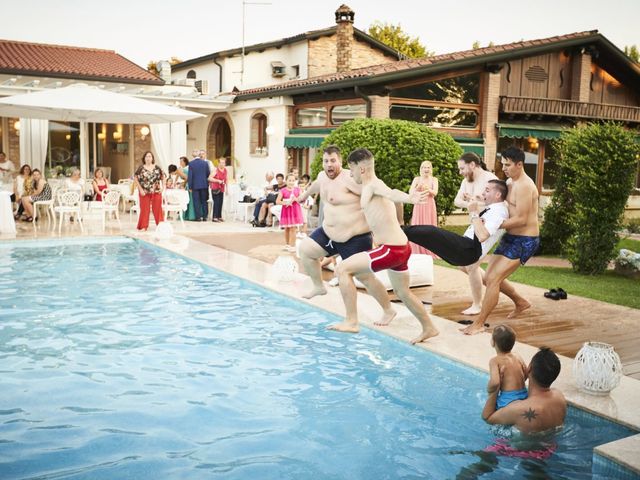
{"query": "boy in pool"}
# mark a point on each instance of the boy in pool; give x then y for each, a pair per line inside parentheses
(507, 370)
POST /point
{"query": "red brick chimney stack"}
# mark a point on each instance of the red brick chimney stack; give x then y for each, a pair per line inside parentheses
(344, 19)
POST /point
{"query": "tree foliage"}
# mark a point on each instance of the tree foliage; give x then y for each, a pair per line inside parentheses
(633, 53)
(597, 166)
(395, 37)
(152, 66)
(399, 148)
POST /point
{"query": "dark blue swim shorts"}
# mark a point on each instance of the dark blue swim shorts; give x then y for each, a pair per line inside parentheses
(357, 244)
(517, 246)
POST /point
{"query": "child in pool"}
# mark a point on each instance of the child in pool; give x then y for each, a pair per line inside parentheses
(507, 370)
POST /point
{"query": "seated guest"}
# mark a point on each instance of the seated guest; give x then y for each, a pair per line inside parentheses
(75, 183)
(173, 178)
(268, 189)
(22, 187)
(42, 192)
(264, 215)
(99, 185)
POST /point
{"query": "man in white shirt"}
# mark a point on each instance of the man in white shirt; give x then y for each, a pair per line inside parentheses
(6, 168)
(467, 250)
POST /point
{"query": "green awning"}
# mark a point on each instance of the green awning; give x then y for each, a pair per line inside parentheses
(541, 132)
(477, 149)
(300, 141)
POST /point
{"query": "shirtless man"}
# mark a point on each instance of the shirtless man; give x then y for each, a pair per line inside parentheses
(344, 230)
(517, 245)
(377, 201)
(545, 408)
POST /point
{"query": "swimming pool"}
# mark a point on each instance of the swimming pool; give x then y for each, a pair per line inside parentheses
(121, 360)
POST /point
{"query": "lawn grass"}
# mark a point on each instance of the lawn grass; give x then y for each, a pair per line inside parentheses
(629, 244)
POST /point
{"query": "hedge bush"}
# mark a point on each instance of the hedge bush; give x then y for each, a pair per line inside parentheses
(598, 163)
(399, 147)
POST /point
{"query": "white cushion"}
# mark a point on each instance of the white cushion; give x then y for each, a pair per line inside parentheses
(420, 269)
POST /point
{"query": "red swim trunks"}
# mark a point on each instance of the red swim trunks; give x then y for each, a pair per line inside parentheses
(394, 257)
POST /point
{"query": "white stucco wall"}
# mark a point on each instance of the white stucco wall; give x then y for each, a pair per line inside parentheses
(206, 70)
(254, 166)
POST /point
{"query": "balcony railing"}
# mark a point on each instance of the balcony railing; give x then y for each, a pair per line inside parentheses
(569, 108)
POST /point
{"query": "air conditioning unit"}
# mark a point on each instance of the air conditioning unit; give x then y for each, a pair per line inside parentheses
(202, 86)
(278, 69)
(190, 82)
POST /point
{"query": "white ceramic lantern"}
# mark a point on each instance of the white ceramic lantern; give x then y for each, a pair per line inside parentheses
(597, 368)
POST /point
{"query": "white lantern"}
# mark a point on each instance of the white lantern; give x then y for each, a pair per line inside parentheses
(284, 269)
(164, 231)
(597, 368)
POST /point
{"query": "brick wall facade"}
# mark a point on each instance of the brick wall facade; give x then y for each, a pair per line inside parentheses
(13, 148)
(379, 106)
(580, 77)
(139, 146)
(489, 112)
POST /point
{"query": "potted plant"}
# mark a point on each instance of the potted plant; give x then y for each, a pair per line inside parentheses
(628, 263)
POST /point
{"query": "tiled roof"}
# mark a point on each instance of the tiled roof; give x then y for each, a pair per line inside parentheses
(59, 61)
(417, 63)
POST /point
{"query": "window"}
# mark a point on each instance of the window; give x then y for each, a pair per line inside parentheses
(295, 71)
(465, 89)
(191, 74)
(311, 117)
(63, 154)
(344, 113)
(436, 116)
(278, 69)
(259, 134)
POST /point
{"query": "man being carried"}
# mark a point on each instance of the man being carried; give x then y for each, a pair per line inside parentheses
(393, 252)
(344, 230)
(480, 236)
(517, 245)
(543, 409)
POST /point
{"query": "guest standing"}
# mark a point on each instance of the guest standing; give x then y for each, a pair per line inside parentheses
(149, 180)
(198, 185)
(99, 184)
(425, 212)
(291, 216)
(183, 172)
(217, 182)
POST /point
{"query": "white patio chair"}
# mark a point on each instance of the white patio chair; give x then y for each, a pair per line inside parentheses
(175, 201)
(135, 198)
(276, 211)
(69, 202)
(48, 204)
(110, 204)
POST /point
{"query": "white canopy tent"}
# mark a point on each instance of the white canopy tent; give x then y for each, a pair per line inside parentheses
(87, 104)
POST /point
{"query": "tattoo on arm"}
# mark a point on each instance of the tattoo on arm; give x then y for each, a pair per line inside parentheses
(530, 414)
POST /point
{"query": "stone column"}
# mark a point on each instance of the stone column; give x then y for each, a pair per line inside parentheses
(490, 111)
(580, 76)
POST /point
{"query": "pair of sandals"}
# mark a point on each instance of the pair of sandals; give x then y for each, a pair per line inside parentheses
(556, 294)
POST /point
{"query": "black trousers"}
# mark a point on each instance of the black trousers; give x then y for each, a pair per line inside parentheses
(451, 247)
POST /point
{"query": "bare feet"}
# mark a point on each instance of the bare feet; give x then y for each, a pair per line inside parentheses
(346, 326)
(473, 329)
(521, 306)
(472, 310)
(315, 291)
(425, 335)
(387, 317)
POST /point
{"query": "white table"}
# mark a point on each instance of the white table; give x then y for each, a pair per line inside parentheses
(7, 223)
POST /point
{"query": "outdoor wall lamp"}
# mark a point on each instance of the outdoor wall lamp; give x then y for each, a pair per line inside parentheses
(144, 131)
(101, 136)
(270, 130)
(16, 125)
(117, 135)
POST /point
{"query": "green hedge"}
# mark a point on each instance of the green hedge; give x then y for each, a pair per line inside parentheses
(399, 147)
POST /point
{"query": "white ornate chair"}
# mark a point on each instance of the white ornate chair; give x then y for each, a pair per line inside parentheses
(71, 203)
(110, 204)
(175, 200)
(48, 204)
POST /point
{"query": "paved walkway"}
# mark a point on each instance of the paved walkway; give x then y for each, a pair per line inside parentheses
(562, 325)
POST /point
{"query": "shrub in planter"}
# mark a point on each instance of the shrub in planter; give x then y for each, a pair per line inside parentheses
(628, 263)
(399, 147)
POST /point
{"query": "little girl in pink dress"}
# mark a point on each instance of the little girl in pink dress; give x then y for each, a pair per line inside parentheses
(291, 217)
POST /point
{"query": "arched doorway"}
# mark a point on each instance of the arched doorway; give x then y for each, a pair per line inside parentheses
(219, 139)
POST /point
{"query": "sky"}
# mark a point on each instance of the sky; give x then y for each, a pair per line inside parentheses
(144, 30)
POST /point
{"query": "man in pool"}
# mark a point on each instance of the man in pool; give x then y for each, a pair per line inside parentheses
(517, 245)
(344, 230)
(393, 251)
(544, 409)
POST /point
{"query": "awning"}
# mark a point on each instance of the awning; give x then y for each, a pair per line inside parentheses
(477, 149)
(541, 132)
(303, 141)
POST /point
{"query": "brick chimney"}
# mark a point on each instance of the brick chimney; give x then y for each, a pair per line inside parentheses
(344, 19)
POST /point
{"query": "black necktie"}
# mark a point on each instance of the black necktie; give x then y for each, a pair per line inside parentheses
(483, 211)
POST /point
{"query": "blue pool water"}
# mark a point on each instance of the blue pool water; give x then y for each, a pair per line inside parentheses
(120, 360)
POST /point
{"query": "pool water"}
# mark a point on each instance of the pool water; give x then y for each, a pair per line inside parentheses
(121, 360)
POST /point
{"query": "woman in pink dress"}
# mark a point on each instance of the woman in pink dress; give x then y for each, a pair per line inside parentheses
(291, 217)
(425, 213)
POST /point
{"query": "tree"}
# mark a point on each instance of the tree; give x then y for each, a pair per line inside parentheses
(633, 53)
(395, 37)
(597, 167)
(153, 68)
(399, 147)
(476, 45)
